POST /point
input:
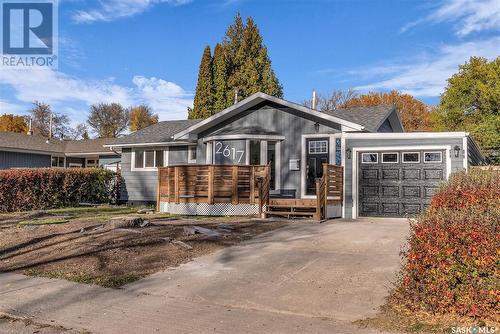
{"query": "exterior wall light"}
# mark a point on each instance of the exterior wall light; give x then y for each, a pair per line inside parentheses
(456, 150)
(316, 126)
(348, 153)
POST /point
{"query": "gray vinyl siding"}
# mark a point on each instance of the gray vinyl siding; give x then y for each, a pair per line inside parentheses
(283, 122)
(136, 186)
(141, 186)
(457, 164)
(386, 127)
(475, 157)
(108, 159)
(178, 155)
(10, 160)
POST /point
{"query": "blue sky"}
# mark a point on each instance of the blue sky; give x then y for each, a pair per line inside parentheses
(148, 51)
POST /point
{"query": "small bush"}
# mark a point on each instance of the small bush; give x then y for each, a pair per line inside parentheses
(452, 264)
(37, 189)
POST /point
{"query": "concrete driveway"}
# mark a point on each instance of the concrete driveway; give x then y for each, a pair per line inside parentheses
(301, 278)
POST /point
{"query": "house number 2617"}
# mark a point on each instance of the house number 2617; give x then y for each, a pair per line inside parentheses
(229, 152)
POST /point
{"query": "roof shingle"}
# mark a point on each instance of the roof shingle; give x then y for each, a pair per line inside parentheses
(369, 117)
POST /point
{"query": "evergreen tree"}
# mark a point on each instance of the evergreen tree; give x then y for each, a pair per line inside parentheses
(234, 57)
(240, 63)
(220, 79)
(203, 98)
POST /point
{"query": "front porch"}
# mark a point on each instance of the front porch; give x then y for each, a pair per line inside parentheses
(222, 190)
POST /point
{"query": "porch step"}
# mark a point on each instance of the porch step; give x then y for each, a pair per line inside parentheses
(290, 214)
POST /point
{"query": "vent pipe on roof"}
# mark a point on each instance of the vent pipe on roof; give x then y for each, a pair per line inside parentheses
(30, 128)
(235, 96)
(313, 101)
(50, 125)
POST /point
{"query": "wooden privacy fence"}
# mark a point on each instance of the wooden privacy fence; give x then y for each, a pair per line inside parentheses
(329, 189)
(211, 184)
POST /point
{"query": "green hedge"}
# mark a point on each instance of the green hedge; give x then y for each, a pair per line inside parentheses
(452, 263)
(47, 188)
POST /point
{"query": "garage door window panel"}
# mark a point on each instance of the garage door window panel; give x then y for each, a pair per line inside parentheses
(433, 157)
(390, 158)
(369, 158)
(411, 157)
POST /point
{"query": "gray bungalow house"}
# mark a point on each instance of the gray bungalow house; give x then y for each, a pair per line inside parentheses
(19, 150)
(387, 172)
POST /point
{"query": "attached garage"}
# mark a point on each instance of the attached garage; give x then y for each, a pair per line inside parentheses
(398, 183)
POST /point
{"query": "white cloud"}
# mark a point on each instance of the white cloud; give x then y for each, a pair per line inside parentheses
(10, 108)
(468, 15)
(426, 76)
(114, 9)
(166, 98)
(71, 95)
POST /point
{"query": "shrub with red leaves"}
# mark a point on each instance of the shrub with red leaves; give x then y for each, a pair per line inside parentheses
(45, 188)
(452, 263)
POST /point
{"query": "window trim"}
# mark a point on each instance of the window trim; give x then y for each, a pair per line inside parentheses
(365, 163)
(390, 162)
(410, 162)
(133, 167)
(94, 165)
(190, 149)
(57, 156)
(434, 162)
(316, 142)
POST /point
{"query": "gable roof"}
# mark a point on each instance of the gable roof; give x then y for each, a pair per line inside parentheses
(38, 143)
(159, 133)
(370, 117)
(254, 100)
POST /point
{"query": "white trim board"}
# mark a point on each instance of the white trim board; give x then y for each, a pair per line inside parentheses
(254, 100)
(170, 143)
(354, 166)
(243, 136)
(405, 135)
(303, 154)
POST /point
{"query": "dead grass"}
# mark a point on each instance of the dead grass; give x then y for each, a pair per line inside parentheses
(86, 249)
(47, 221)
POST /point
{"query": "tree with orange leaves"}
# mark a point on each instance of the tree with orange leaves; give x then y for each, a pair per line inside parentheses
(13, 123)
(415, 115)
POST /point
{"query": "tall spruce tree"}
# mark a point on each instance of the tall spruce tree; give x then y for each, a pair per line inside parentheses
(203, 98)
(240, 63)
(220, 79)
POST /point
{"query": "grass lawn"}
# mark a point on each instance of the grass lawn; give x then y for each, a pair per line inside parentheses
(81, 244)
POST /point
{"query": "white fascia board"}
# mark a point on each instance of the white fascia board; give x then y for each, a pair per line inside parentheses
(177, 143)
(405, 135)
(254, 100)
(89, 154)
(243, 136)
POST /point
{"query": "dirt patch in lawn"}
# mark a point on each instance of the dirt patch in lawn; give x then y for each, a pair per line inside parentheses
(98, 252)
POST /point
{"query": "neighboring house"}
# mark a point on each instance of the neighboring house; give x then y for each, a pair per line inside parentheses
(387, 172)
(19, 150)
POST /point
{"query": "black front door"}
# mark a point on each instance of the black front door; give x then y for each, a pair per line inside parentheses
(317, 155)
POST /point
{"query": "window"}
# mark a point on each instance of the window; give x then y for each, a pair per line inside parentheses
(433, 157)
(159, 159)
(369, 158)
(57, 162)
(148, 159)
(318, 146)
(390, 158)
(255, 152)
(192, 154)
(338, 151)
(91, 163)
(411, 157)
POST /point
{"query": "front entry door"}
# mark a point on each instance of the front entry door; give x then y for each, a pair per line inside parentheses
(317, 155)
